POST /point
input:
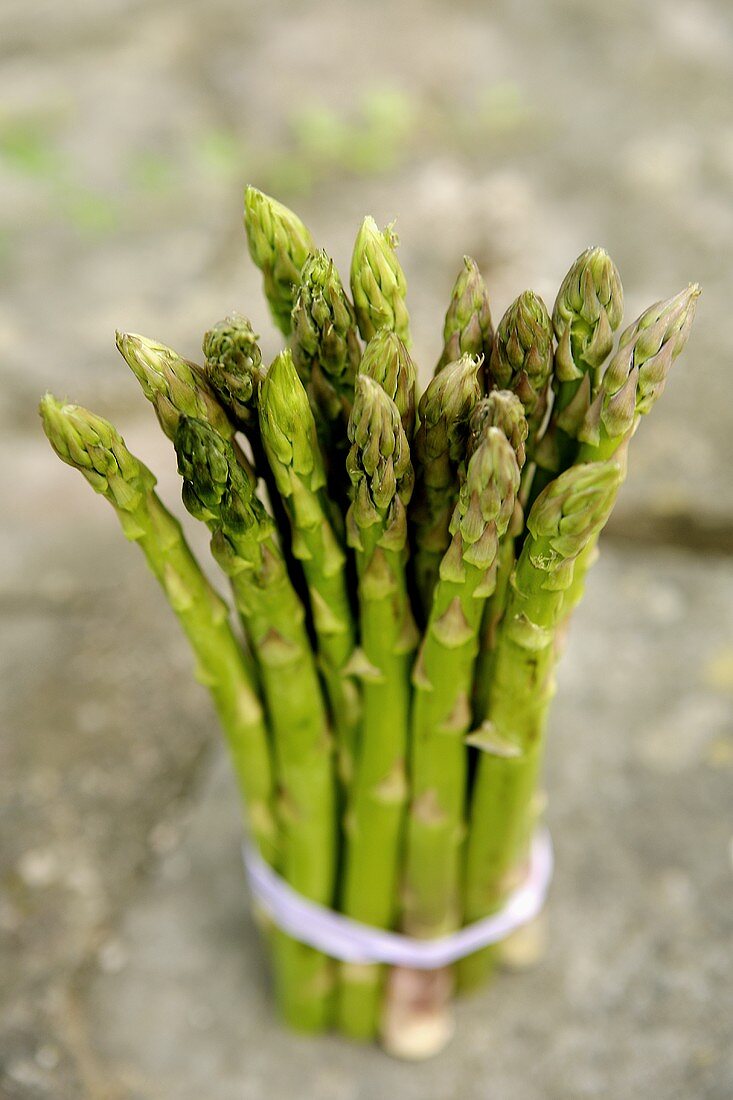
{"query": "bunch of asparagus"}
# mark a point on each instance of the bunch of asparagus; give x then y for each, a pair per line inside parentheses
(402, 572)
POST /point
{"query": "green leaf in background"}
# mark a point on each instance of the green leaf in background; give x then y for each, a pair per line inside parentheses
(154, 173)
(27, 145)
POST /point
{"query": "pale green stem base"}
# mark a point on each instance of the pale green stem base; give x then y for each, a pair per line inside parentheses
(375, 814)
(504, 801)
(304, 984)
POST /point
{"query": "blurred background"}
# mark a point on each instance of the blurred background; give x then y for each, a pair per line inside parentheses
(516, 132)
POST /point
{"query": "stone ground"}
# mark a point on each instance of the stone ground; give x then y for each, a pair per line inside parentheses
(128, 966)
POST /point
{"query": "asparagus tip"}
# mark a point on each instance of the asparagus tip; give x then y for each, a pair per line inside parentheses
(587, 311)
(378, 282)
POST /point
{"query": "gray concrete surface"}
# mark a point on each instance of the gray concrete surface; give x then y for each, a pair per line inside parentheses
(635, 997)
(518, 133)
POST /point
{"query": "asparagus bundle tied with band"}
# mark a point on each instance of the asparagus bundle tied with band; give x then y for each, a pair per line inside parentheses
(402, 567)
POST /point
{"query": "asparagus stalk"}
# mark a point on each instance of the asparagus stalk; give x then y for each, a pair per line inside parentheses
(442, 678)
(468, 329)
(439, 447)
(521, 362)
(290, 441)
(588, 310)
(219, 491)
(387, 360)
(233, 368)
(637, 374)
(325, 337)
(174, 386)
(378, 284)
(177, 388)
(279, 244)
(633, 382)
(501, 409)
(521, 359)
(94, 447)
(326, 352)
(416, 1020)
(565, 517)
(441, 719)
(382, 478)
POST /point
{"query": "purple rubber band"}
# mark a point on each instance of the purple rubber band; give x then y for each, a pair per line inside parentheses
(351, 941)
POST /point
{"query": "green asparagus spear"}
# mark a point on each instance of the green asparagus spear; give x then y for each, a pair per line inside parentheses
(588, 310)
(325, 335)
(521, 360)
(326, 352)
(233, 368)
(632, 383)
(174, 386)
(279, 244)
(388, 362)
(563, 520)
(382, 478)
(291, 443)
(637, 374)
(378, 284)
(442, 678)
(501, 409)
(504, 410)
(94, 447)
(219, 491)
(416, 1019)
(468, 329)
(179, 388)
(439, 448)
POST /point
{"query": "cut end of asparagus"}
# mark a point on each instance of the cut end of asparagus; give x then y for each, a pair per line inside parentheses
(418, 1020)
(378, 284)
